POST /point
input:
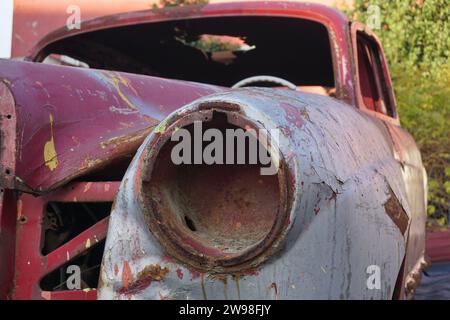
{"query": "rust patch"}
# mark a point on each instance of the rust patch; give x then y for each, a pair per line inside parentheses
(305, 114)
(219, 276)
(412, 280)
(396, 212)
(137, 138)
(205, 297)
(154, 271)
(144, 279)
(238, 218)
(274, 286)
(226, 106)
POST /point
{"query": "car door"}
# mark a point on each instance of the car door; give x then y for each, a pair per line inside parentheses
(375, 96)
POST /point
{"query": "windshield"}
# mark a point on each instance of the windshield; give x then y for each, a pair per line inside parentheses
(221, 50)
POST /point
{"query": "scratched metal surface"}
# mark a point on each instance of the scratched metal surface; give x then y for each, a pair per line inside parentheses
(71, 121)
(343, 169)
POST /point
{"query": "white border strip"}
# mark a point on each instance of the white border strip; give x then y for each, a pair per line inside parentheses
(6, 27)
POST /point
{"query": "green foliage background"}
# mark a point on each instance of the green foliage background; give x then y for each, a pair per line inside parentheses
(416, 40)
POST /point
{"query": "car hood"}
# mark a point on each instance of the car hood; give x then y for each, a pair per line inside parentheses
(60, 123)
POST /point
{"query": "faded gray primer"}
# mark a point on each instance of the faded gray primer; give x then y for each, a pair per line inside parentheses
(336, 150)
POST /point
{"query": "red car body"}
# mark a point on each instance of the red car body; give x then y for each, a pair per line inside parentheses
(68, 135)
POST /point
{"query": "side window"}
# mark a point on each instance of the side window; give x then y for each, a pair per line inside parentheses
(373, 85)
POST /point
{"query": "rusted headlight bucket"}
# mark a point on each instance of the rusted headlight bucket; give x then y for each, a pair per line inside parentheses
(213, 217)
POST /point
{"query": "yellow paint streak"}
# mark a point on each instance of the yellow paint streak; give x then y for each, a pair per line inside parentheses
(161, 127)
(50, 155)
(116, 80)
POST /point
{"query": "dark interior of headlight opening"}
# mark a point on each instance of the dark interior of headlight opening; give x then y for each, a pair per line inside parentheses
(229, 207)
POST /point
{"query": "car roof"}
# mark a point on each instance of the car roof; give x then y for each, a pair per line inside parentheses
(305, 10)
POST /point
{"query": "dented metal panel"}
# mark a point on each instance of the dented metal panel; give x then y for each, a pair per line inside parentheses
(348, 210)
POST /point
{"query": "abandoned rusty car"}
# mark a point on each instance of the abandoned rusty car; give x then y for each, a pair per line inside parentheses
(87, 179)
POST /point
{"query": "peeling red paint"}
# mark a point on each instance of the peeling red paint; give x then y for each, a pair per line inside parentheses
(194, 274)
